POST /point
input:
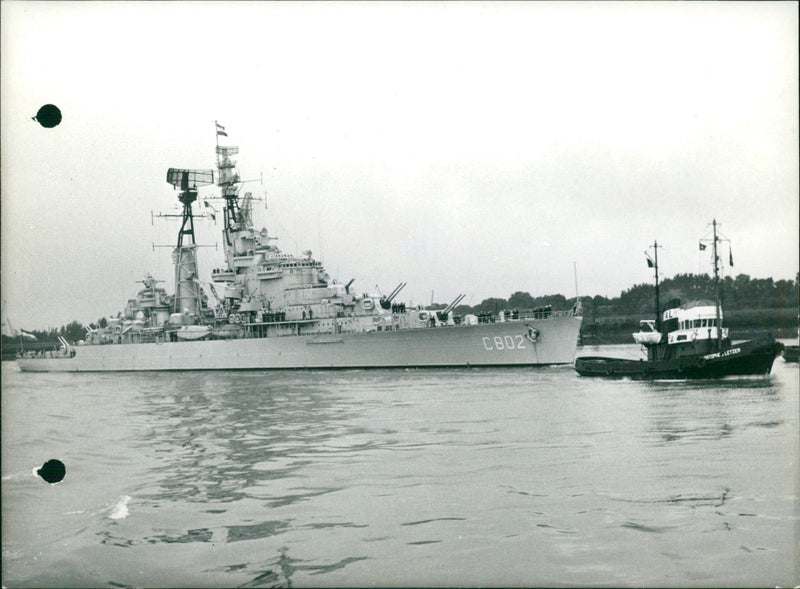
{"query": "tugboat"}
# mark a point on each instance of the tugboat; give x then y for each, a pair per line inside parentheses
(687, 341)
(276, 310)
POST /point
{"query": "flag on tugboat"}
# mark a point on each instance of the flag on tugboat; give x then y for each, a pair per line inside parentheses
(220, 129)
(730, 256)
(650, 262)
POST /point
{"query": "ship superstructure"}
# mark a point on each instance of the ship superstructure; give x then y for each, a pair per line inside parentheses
(278, 310)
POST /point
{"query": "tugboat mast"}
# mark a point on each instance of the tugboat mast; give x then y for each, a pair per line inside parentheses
(716, 287)
(658, 304)
(654, 263)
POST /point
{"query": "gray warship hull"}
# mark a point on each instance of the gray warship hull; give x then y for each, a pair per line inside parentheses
(491, 344)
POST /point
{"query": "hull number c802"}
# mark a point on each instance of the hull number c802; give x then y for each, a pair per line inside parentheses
(506, 342)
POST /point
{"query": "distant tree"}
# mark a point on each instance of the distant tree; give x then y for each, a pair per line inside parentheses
(521, 300)
(742, 290)
(491, 305)
(557, 301)
(72, 332)
(786, 294)
(637, 299)
(599, 300)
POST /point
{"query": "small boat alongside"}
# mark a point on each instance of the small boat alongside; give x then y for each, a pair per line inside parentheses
(687, 341)
(193, 332)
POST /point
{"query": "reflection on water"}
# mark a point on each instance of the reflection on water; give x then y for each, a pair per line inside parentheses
(241, 446)
(220, 440)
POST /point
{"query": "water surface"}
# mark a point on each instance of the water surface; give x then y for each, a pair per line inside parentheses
(474, 477)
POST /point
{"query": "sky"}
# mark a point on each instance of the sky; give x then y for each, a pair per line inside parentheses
(476, 148)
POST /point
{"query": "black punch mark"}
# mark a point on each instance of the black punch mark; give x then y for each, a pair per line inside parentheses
(52, 471)
(48, 116)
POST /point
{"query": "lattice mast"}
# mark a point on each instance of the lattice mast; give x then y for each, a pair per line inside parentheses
(184, 256)
(228, 182)
(717, 296)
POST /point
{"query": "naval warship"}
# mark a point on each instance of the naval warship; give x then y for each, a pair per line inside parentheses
(275, 310)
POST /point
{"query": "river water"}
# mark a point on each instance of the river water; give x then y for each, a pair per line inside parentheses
(474, 477)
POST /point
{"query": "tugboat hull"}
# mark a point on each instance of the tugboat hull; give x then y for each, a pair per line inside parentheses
(752, 357)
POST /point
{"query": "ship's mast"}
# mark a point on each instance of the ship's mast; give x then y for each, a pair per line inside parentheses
(187, 289)
(228, 181)
(715, 239)
(658, 302)
(716, 287)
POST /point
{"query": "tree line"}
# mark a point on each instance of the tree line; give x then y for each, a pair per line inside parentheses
(740, 293)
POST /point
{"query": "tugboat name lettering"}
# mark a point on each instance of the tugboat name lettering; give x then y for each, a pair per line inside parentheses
(730, 352)
(507, 342)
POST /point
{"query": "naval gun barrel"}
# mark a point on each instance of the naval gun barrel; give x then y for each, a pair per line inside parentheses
(386, 302)
(442, 315)
(452, 305)
(395, 292)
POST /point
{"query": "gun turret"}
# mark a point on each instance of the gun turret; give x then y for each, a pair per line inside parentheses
(442, 315)
(452, 305)
(386, 302)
